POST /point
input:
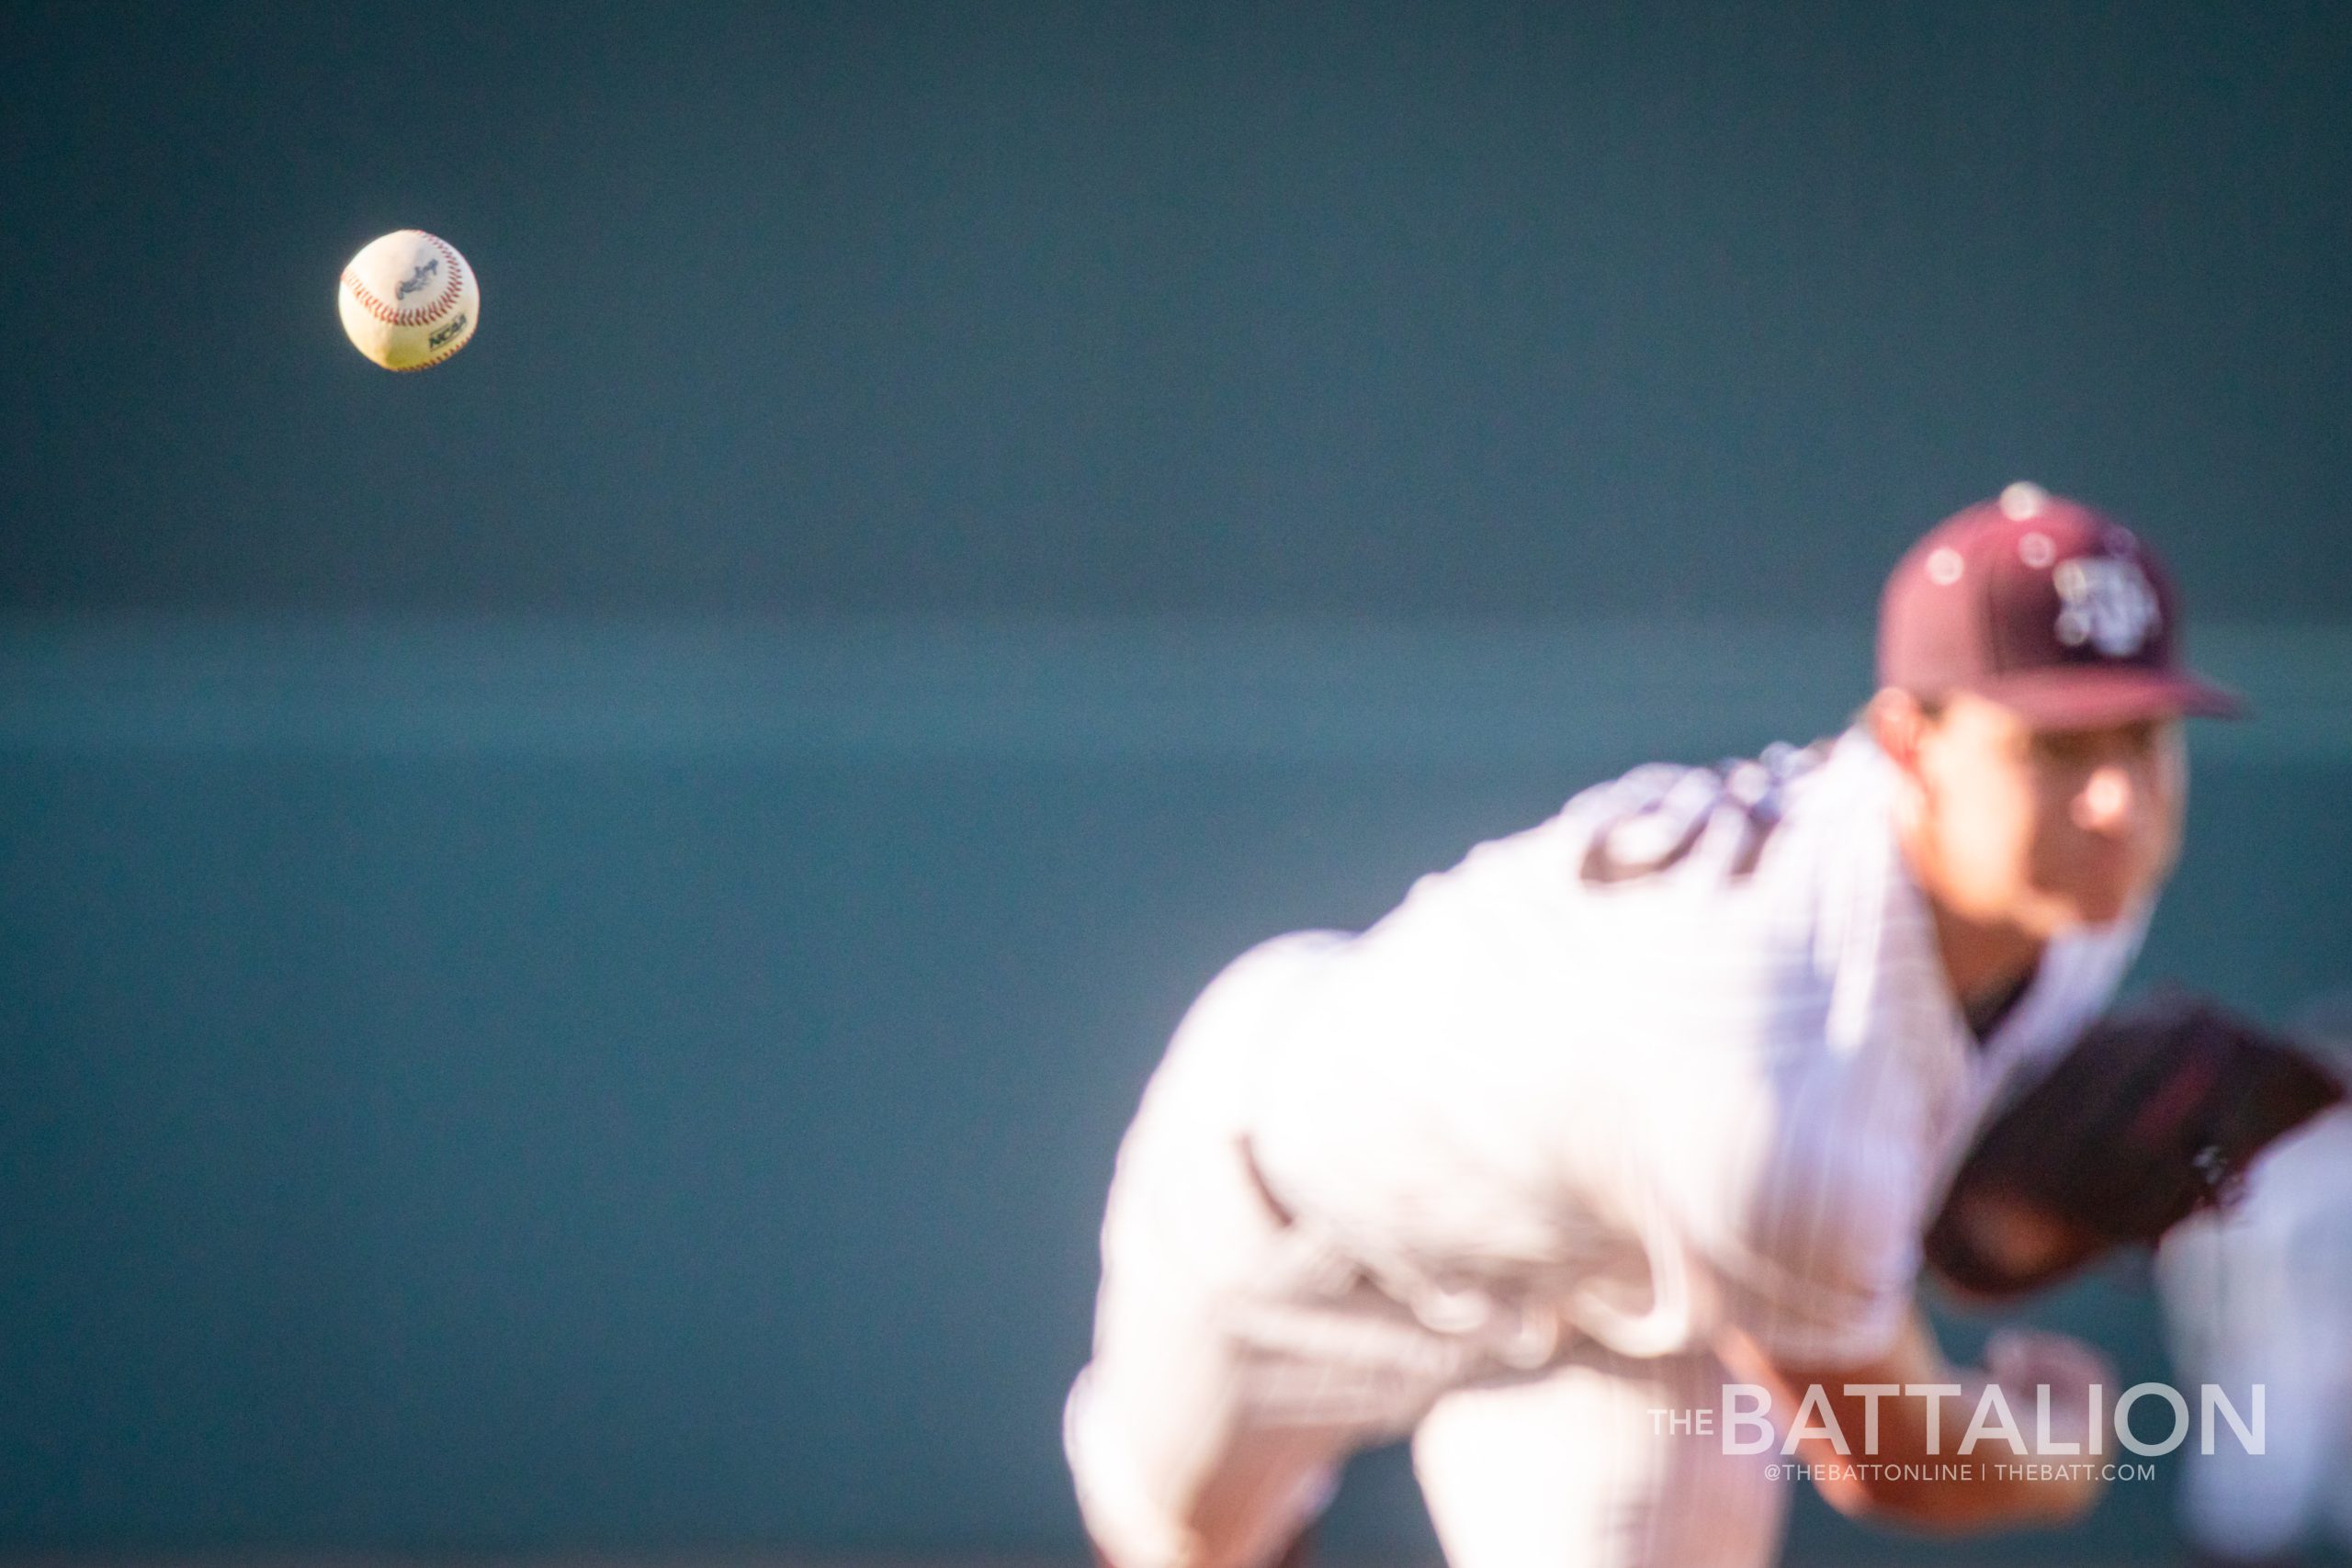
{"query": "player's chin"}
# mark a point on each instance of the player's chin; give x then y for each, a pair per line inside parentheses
(2080, 901)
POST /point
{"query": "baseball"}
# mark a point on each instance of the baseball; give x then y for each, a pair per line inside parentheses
(409, 300)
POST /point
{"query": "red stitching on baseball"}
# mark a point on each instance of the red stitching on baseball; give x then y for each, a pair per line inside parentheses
(416, 315)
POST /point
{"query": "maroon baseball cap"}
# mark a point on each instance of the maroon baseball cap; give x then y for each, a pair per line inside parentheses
(2045, 606)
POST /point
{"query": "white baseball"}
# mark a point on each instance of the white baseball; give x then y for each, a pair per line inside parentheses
(409, 300)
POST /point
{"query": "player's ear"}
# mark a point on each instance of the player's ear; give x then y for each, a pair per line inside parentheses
(1897, 722)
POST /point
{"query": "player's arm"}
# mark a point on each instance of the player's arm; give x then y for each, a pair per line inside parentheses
(1900, 1482)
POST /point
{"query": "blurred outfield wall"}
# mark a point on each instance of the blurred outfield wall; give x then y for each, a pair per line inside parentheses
(522, 1085)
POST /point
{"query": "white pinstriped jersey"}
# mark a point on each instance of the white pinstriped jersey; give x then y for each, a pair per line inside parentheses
(1683, 1053)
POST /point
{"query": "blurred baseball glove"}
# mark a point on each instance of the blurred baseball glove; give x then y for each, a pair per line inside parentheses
(2154, 1114)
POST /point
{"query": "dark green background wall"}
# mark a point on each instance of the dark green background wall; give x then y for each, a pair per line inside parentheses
(576, 931)
(1404, 309)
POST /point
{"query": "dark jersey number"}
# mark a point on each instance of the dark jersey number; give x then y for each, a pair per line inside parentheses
(1657, 833)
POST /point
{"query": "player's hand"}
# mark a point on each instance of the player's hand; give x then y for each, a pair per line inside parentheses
(2024, 1363)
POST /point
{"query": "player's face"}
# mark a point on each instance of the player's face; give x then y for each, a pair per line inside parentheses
(2045, 828)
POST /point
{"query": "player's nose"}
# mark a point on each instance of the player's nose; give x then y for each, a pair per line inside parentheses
(2111, 800)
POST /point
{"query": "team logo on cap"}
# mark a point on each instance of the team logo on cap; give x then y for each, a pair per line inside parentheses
(2109, 603)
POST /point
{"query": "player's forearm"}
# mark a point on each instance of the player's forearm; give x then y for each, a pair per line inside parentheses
(1915, 1479)
(1901, 1420)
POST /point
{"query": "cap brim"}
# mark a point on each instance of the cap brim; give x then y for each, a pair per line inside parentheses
(2089, 697)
